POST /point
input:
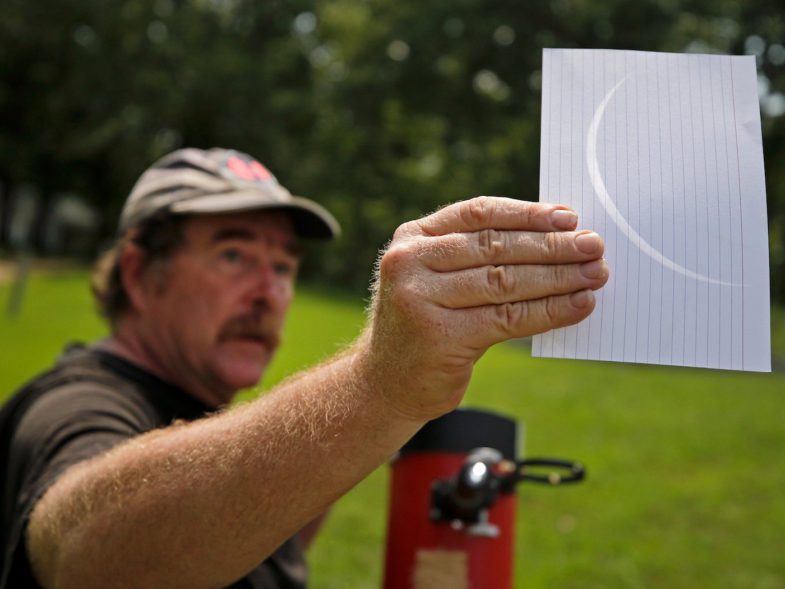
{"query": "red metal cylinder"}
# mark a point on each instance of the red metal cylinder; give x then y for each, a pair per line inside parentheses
(427, 554)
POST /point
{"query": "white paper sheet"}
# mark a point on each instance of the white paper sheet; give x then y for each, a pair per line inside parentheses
(662, 155)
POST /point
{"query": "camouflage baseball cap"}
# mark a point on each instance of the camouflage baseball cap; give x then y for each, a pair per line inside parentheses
(197, 181)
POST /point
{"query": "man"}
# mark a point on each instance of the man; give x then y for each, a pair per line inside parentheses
(123, 467)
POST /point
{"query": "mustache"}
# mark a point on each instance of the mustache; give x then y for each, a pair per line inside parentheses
(252, 326)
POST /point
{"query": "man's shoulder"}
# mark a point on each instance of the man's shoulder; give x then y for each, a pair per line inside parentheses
(89, 381)
(81, 380)
(87, 396)
(77, 364)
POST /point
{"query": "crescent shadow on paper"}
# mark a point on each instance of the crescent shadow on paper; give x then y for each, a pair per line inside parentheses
(610, 207)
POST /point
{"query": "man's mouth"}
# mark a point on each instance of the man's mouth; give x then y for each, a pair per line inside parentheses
(252, 334)
(254, 338)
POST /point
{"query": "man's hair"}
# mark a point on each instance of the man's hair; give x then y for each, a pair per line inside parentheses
(159, 237)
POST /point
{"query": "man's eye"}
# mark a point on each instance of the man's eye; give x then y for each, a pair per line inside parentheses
(283, 269)
(231, 255)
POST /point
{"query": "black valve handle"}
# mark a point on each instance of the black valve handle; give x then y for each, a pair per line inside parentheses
(567, 471)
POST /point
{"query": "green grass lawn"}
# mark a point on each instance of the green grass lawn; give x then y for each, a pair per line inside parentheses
(686, 467)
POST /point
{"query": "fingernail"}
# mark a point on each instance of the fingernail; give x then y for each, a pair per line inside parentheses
(564, 219)
(581, 298)
(589, 242)
(593, 269)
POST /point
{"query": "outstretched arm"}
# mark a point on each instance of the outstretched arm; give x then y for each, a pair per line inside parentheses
(200, 505)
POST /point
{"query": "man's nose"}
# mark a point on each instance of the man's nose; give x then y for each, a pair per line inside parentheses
(265, 285)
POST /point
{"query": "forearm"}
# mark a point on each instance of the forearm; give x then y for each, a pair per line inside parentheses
(200, 505)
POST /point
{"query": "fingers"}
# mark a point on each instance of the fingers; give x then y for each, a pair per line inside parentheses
(526, 318)
(490, 247)
(486, 212)
(489, 269)
(508, 284)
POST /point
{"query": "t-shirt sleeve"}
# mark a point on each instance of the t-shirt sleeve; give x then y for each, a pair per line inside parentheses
(66, 426)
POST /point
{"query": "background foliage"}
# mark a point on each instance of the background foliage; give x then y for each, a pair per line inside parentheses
(381, 109)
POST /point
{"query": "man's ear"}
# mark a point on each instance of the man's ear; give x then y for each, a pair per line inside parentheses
(132, 276)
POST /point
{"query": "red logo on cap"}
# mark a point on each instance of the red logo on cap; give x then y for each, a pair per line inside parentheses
(248, 170)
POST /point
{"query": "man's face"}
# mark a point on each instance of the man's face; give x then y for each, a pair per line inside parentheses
(214, 319)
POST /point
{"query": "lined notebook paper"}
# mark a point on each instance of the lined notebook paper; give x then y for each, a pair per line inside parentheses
(662, 155)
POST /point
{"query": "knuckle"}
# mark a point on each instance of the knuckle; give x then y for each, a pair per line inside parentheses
(552, 311)
(404, 230)
(551, 243)
(499, 283)
(404, 295)
(490, 243)
(396, 259)
(529, 212)
(397, 285)
(563, 276)
(477, 209)
(509, 316)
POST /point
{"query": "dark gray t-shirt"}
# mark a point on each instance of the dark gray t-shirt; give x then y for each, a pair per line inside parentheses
(88, 403)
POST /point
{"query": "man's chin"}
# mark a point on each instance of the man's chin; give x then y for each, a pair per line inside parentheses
(242, 365)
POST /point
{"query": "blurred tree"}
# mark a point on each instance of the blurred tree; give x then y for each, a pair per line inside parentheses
(381, 109)
(92, 91)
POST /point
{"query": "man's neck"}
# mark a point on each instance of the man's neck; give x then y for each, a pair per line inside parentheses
(124, 344)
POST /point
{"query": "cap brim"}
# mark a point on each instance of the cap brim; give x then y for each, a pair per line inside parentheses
(311, 220)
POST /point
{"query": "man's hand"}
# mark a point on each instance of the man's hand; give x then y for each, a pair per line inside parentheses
(473, 274)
